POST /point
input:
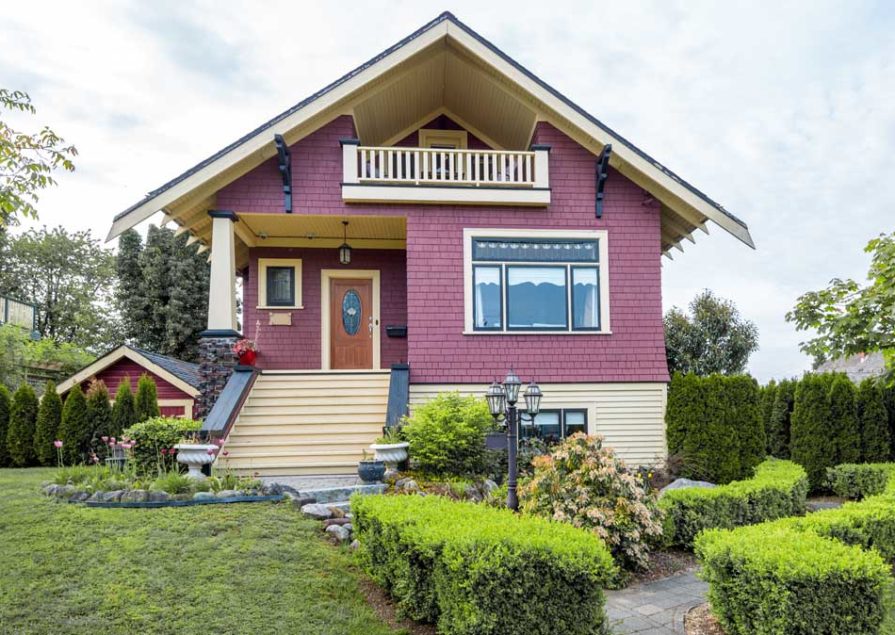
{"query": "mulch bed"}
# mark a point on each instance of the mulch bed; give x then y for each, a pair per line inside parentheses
(700, 621)
(663, 564)
(386, 610)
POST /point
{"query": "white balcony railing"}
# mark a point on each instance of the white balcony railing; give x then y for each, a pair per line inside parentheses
(511, 177)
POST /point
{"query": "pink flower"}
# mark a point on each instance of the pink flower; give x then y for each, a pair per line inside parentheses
(210, 452)
(57, 443)
(225, 453)
(218, 442)
(112, 439)
(164, 451)
(105, 439)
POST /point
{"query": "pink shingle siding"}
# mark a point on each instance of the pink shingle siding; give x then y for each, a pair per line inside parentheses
(436, 348)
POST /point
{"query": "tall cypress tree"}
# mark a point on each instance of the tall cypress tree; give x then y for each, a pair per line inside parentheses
(844, 419)
(99, 415)
(49, 418)
(779, 424)
(768, 395)
(74, 431)
(128, 293)
(685, 410)
(124, 413)
(5, 406)
(812, 438)
(22, 424)
(188, 305)
(746, 410)
(874, 422)
(147, 401)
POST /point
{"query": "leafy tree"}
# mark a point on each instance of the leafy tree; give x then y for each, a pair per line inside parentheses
(22, 422)
(813, 440)
(146, 405)
(124, 412)
(69, 276)
(162, 292)
(849, 317)
(712, 339)
(49, 418)
(874, 422)
(99, 414)
(778, 430)
(74, 431)
(844, 419)
(5, 406)
(21, 354)
(27, 160)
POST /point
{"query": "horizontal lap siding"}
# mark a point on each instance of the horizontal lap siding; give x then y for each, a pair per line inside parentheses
(436, 347)
(630, 417)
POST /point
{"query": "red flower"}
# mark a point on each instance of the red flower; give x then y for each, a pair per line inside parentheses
(225, 453)
(210, 452)
(164, 451)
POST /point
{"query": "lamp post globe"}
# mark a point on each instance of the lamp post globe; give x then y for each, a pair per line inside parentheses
(496, 398)
(533, 396)
(512, 383)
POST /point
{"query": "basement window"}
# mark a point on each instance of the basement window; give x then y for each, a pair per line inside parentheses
(279, 283)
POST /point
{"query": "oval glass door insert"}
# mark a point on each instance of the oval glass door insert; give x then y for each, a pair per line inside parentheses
(351, 311)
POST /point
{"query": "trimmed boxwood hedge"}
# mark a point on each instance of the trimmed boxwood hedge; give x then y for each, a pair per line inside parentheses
(859, 480)
(480, 570)
(770, 579)
(778, 489)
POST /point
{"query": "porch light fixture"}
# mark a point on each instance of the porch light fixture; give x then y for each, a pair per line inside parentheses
(345, 249)
(502, 400)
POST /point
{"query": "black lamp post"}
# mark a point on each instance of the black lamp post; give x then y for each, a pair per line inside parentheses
(502, 400)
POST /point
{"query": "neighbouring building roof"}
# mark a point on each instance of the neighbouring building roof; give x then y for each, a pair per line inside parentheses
(857, 367)
(183, 375)
(184, 199)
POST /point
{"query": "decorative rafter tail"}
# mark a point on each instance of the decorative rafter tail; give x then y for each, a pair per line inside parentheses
(602, 175)
(284, 161)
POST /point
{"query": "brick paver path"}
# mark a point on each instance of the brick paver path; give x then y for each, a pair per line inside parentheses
(655, 608)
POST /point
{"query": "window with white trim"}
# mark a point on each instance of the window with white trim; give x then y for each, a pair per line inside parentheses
(279, 283)
(536, 284)
(553, 425)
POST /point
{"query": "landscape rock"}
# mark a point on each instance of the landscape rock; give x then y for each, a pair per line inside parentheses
(228, 493)
(203, 496)
(338, 533)
(406, 484)
(355, 545)
(349, 527)
(473, 493)
(159, 496)
(682, 483)
(64, 491)
(79, 497)
(336, 521)
(271, 489)
(337, 512)
(95, 497)
(50, 489)
(489, 486)
(300, 501)
(135, 496)
(111, 497)
(317, 511)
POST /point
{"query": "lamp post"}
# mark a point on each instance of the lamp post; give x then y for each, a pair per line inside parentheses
(502, 400)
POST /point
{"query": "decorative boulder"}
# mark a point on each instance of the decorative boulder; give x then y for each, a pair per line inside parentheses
(158, 496)
(317, 511)
(228, 493)
(135, 496)
(338, 533)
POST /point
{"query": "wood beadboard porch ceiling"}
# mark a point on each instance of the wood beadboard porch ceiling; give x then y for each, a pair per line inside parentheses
(445, 67)
(282, 230)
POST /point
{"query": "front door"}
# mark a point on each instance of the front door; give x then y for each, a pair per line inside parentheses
(351, 323)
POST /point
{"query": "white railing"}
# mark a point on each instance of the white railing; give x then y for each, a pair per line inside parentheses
(441, 166)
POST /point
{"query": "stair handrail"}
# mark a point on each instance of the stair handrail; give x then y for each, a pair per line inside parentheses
(226, 409)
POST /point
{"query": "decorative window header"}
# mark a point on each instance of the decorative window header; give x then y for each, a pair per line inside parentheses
(535, 250)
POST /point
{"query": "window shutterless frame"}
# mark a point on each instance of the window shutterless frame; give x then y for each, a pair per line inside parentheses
(509, 309)
(272, 300)
(500, 300)
(568, 411)
(572, 269)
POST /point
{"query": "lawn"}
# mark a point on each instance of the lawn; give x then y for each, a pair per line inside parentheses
(249, 568)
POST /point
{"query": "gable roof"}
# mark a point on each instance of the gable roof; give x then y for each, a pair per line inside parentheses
(183, 375)
(857, 367)
(685, 208)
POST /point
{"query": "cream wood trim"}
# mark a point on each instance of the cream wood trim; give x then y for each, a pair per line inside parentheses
(438, 195)
(430, 136)
(629, 415)
(334, 243)
(367, 274)
(186, 404)
(263, 264)
(121, 352)
(457, 119)
(601, 235)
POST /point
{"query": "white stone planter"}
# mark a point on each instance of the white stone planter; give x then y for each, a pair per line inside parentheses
(194, 456)
(390, 452)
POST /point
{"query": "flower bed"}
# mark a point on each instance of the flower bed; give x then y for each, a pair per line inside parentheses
(476, 569)
(778, 489)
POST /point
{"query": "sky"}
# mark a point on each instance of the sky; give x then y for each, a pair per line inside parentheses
(782, 111)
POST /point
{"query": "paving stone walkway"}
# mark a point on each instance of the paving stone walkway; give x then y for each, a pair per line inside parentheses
(655, 608)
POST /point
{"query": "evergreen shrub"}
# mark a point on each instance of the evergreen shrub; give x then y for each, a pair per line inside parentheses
(49, 418)
(858, 480)
(22, 426)
(74, 431)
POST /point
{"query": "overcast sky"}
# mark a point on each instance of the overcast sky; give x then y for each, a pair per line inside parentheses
(782, 111)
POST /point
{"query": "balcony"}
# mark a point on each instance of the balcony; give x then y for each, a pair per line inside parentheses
(445, 176)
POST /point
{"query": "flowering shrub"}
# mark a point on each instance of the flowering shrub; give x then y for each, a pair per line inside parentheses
(585, 484)
(241, 347)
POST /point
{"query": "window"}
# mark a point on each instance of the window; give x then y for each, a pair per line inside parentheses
(553, 425)
(534, 283)
(449, 139)
(279, 283)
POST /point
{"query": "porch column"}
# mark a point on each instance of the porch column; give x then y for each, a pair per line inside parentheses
(222, 283)
(349, 160)
(542, 165)
(216, 357)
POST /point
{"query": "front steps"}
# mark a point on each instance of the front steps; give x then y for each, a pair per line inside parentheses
(304, 423)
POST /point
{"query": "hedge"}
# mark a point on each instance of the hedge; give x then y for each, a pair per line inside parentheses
(778, 489)
(859, 480)
(874, 422)
(479, 570)
(157, 434)
(777, 428)
(813, 440)
(771, 579)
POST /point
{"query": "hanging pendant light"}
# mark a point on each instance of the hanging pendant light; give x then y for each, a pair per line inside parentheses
(345, 249)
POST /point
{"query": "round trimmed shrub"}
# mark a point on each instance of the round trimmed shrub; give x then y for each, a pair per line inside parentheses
(447, 435)
(22, 424)
(49, 418)
(5, 406)
(157, 434)
(74, 431)
(584, 484)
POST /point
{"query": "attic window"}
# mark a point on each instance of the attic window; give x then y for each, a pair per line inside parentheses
(449, 139)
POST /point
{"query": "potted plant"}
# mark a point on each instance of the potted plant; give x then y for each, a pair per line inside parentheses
(391, 446)
(195, 454)
(246, 352)
(370, 470)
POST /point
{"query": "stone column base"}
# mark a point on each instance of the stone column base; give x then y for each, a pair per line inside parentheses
(216, 363)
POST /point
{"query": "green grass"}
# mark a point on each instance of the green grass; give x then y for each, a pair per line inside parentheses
(250, 568)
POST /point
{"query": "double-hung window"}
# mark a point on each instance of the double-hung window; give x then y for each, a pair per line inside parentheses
(537, 283)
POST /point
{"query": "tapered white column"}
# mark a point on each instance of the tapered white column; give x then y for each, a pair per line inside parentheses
(222, 285)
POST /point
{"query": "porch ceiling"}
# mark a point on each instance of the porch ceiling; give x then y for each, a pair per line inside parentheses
(287, 230)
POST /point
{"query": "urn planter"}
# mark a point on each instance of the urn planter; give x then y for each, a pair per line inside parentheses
(195, 456)
(390, 452)
(371, 471)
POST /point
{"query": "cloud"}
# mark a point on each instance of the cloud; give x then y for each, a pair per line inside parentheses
(784, 112)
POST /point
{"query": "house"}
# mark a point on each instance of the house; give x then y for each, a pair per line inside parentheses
(430, 220)
(176, 381)
(858, 367)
